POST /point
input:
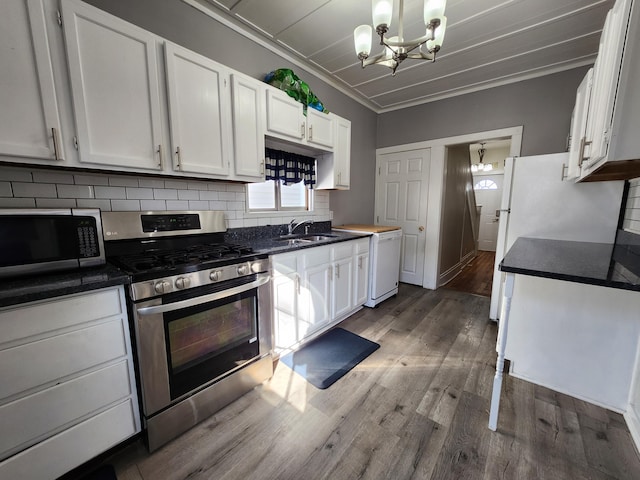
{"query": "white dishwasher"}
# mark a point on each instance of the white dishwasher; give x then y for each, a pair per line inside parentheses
(384, 259)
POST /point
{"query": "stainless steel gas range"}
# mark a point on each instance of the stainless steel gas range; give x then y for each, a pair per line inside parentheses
(201, 310)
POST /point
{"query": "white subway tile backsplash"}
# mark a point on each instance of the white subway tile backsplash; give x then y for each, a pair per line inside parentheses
(56, 203)
(52, 177)
(12, 202)
(176, 184)
(90, 179)
(21, 187)
(198, 205)
(75, 191)
(151, 182)
(229, 196)
(177, 205)
(15, 175)
(208, 195)
(118, 181)
(104, 205)
(110, 192)
(188, 195)
(5, 189)
(134, 193)
(153, 204)
(165, 194)
(125, 205)
(34, 190)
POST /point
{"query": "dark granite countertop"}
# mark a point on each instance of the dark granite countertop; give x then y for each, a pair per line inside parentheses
(38, 287)
(603, 264)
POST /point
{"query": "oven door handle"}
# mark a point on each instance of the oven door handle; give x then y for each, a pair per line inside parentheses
(261, 279)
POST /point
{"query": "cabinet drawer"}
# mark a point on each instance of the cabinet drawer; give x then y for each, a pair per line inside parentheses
(27, 420)
(312, 257)
(56, 357)
(65, 451)
(284, 264)
(342, 250)
(362, 245)
(50, 315)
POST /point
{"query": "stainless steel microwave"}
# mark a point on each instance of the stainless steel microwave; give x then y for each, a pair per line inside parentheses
(48, 240)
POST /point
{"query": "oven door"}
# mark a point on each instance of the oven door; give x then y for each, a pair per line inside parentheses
(190, 339)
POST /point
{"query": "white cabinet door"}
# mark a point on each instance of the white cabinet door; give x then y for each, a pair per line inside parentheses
(361, 280)
(341, 287)
(284, 115)
(248, 126)
(114, 85)
(199, 109)
(314, 298)
(320, 128)
(29, 117)
(285, 310)
(579, 126)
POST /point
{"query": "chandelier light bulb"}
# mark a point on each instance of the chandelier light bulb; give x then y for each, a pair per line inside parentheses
(362, 40)
(382, 12)
(433, 9)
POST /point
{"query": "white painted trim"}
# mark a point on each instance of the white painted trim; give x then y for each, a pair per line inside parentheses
(436, 187)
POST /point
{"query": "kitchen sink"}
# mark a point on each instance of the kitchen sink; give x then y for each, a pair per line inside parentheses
(304, 239)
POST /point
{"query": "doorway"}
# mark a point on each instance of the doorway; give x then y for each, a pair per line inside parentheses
(432, 200)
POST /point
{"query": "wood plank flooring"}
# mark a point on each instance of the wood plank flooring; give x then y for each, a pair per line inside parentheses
(477, 276)
(417, 408)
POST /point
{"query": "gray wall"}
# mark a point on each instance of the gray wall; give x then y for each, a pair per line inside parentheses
(184, 25)
(457, 236)
(542, 105)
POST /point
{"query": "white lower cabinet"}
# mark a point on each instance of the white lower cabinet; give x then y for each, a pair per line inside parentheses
(68, 391)
(316, 288)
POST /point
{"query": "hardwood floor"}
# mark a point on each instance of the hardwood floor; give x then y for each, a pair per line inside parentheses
(477, 276)
(417, 408)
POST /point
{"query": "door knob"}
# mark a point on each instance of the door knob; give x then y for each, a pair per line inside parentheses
(421, 228)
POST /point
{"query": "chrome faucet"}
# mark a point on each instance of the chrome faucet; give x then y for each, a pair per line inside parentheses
(292, 227)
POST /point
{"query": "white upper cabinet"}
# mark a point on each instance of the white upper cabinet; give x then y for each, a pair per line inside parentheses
(29, 117)
(320, 128)
(115, 89)
(286, 120)
(333, 169)
(199, 109)
(248, 127)
(611, 138)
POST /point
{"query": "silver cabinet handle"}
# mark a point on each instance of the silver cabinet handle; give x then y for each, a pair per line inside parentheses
(310, 132)
(337, 270)
(54, 137)
(179, 157)
(261, 279)
(302, 130)
(159, 151)
(262, 167)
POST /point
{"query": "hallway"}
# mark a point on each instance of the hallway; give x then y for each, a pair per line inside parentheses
(476, 277)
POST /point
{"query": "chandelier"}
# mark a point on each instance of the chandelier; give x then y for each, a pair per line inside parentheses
(396, 50)
(481, 167)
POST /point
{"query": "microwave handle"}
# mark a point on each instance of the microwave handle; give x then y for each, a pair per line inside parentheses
(261, 279)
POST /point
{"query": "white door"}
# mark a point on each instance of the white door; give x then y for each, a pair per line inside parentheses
(29, 118)
(488, 190)
(248, 126)
(401, 200)
(199, 110)
(115, 88)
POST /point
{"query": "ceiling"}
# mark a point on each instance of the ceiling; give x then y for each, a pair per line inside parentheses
(487, 43)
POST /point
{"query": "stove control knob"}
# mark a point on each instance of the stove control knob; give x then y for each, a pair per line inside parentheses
(162, 286)
(182, 282)
(243, 270)
(215, 275)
